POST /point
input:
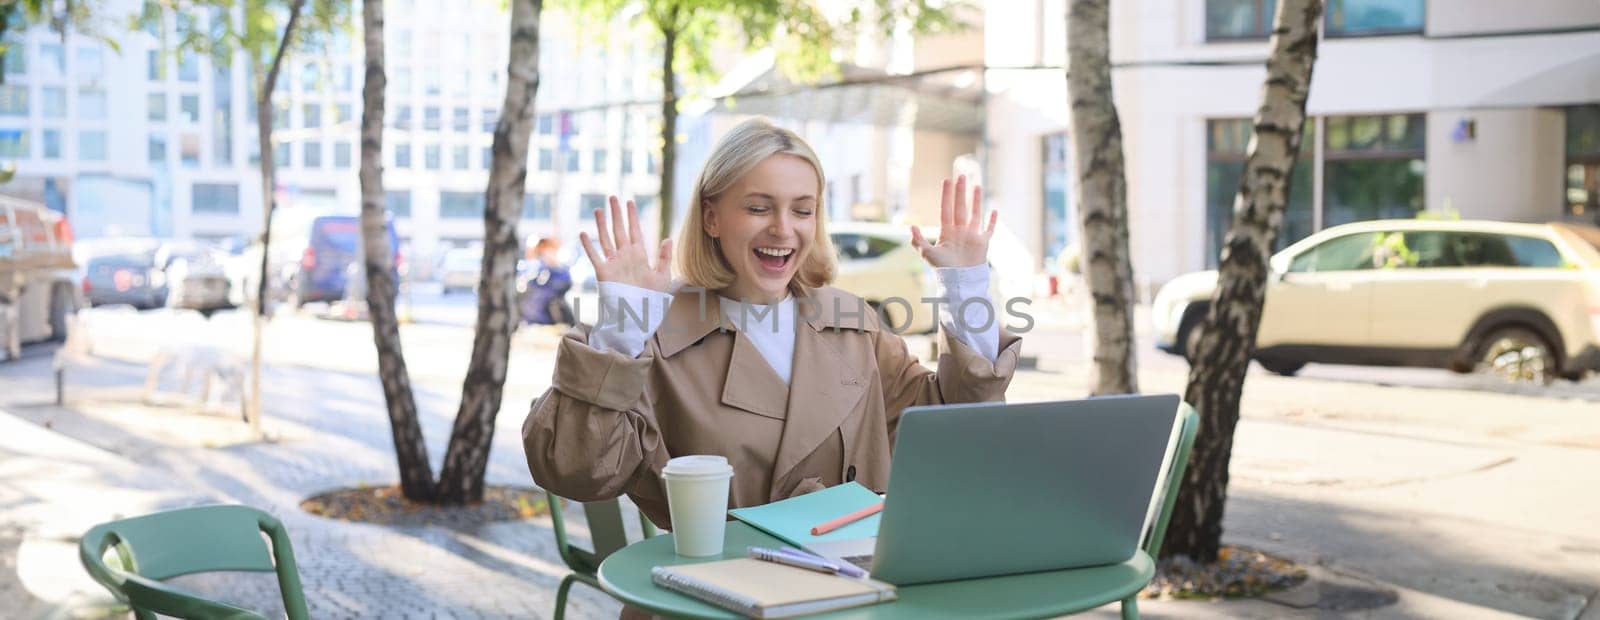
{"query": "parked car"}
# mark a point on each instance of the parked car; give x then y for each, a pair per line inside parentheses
(877, 262)
(126, 277)
(460, 268)
(195, 276)
(37, 274)
(330, 244)
(1521, 300)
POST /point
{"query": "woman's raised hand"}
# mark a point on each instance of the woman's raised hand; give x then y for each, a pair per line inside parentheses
(963, 239)
(624, 254)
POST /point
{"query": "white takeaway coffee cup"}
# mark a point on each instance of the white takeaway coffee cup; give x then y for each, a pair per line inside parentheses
(697, 498)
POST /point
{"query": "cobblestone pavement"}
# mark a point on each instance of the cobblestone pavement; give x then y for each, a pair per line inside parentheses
(330, 435)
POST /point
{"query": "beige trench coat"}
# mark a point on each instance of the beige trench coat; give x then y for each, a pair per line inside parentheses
(609, 423)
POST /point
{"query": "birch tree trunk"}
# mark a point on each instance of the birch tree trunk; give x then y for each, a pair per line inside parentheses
(1102, 196)
(461, 479)
(264, 121)
(416, 474)
(1228, 336)
(669, 124)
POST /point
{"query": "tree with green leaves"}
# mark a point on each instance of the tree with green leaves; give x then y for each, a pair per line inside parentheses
(803, 36)
(265, 31)
(78, 16)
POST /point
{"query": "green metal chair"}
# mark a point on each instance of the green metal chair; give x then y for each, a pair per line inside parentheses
(160, 546)
(1178, 465)
(608, 534)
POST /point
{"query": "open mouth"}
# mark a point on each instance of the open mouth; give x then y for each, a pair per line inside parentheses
(774, 260)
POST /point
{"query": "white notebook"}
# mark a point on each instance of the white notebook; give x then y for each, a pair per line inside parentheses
(758, 589)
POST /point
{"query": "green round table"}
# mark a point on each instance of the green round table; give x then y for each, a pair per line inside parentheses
(626, 575)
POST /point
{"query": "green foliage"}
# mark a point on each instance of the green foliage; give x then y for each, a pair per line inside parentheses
(257, 35)
(802, 36)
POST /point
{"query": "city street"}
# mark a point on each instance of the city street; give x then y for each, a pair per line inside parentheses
(1408, 493)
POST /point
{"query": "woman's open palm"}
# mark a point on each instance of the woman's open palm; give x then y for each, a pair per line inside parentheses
(963, 238)
(624, 255)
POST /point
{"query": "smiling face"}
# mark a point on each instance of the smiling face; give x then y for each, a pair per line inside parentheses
(766, 226)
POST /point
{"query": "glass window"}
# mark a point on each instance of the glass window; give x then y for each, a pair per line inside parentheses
(599, 161)
(16, 56)
(92, 145)
(491, 116)
(402, 45)
(1445, 249)
(341, 155)
(650, 162)
(55, 102)
(13, 100)
(573, 157)
(345, 113)
(310, 77)
(189, 109)
(546, 125)
(402, 156)
(14, 143)
(92, 104)
(536, 206)
(431, 118)
(547, 159)
(52, 60)
(1239, 19)
(158, 149)
(189, 67)
(347, 78)
(222, 114)
(401, 119)
(460, 205)
(488, 157)
(155, 66)
(400, 81)
(1058, 224)
(156, 107)
(189, 150)
(215, 198)
(1535, 253)
(1370, 17)
(313, 155)
(52, 143)
(280, 155)
(460, 120)
(89, 65)
(1227, 144)
(432, 82)
(1374, 168)
(458, 157)
(1344, 253)
(589, 202)
(627, 161)
(1583, 164)
(398, 202)
(311, 115)
(853, 246)
(430, 156)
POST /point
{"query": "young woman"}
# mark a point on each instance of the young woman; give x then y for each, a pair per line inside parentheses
(752, 356)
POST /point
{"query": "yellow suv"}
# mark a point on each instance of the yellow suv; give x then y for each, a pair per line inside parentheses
(1520, 300)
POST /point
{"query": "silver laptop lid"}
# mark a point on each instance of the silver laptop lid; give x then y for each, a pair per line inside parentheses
(992, 489)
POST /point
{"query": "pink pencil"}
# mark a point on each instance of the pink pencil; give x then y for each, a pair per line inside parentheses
(847, 519)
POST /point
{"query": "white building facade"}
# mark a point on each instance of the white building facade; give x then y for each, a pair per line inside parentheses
(1478, 108)
(147, 142)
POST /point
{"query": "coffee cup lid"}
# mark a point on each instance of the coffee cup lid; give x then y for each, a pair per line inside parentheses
(698, 465)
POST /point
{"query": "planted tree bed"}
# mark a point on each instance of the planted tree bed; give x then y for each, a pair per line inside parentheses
(386, 506)
(1238, 572)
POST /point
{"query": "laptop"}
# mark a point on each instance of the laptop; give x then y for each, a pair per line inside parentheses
(988, 489)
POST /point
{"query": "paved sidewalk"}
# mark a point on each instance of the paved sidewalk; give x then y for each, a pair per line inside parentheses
(331, 431)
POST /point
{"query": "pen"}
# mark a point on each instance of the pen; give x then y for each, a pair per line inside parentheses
(847, 519)
(845, 568)
(789, 559)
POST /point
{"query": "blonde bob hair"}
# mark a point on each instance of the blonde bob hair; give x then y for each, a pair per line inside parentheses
(699, 257)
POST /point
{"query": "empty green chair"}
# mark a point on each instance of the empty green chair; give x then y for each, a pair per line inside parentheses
(608, 533)
(1176, 467)
(152, 548)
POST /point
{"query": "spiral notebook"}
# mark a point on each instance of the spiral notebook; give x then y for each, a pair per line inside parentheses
(757, 589)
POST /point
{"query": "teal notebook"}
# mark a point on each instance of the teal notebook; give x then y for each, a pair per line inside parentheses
(793, 518)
